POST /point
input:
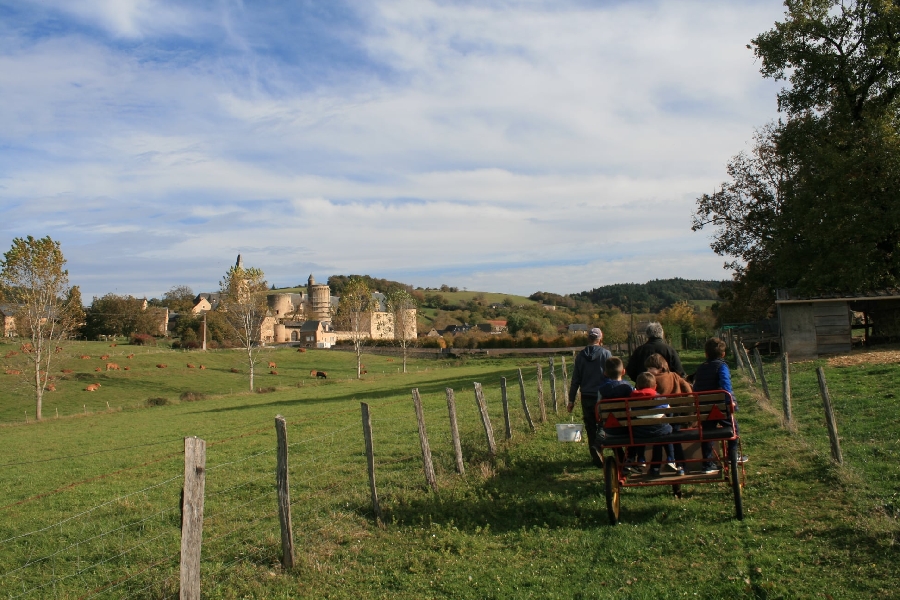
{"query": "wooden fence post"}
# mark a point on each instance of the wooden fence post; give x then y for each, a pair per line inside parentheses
(423, 441)
(454, 432)
(553, 386)
(540, 393)
(370, 459)
(504, 397)
(565, 379)
(829, 418)
(786, 387)
(192, 516)
(746, 359)
(762, 374)
(485, 420)
(524, 401)
(284, 495)
(737, 355)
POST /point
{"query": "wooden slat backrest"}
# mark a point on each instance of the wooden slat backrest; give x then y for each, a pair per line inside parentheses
(684, 409)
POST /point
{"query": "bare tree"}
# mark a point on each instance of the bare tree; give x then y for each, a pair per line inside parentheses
(33, 279)
(243, 304)
(354, 314)
(403, 307)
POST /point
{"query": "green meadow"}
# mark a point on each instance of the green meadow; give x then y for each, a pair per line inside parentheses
(89, 502)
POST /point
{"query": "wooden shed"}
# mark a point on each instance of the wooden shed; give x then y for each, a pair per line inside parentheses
(815, 325)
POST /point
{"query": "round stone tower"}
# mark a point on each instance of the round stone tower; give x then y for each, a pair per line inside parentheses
(280, 305)
(319, 300)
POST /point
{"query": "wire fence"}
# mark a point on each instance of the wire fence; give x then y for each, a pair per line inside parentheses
(100, 544)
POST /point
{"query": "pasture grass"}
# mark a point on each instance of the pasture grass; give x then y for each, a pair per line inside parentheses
(530, 523)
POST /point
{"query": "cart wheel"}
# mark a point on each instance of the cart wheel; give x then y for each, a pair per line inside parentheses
(736, 486)
(611, 475)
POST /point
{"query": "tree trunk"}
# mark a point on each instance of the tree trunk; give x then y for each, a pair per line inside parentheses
(404, 358)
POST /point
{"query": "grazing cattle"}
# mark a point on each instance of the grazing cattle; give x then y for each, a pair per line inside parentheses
(67, 371)
(318, 374)
(104, 357)
(85, 357)
(27, 348)
(58, 349)
(113, 345)
(272, 365)
(161, 366)
(13, 372)
(51, 387)
(363, 372)
(202, 367)
(273, 372)
(233, 370)
(98, 369)
(301, 349)
(190, 366)
(10, 354)
(92, 387)
(130, 356)
(127, 368)
(112, 367)
(390, 360)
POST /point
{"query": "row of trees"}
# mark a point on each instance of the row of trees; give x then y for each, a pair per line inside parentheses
(813, 206)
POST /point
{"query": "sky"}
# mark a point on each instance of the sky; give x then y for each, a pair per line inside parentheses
(503, 146)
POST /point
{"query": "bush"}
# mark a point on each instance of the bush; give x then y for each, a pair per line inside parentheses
(190, 344)
(191, 396)
(142, 339)
(157, 401)
(176, 345)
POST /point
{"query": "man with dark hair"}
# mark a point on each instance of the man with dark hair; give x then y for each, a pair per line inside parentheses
(588, 375)
(714, 375)
(654, 345)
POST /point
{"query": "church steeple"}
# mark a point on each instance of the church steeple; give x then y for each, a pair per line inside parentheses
(240, 262)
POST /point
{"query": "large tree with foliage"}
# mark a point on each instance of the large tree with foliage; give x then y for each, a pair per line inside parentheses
(243, 306)
(33, 278)
(402, 306)
(122, 315)
(354, 314)
(813, 207)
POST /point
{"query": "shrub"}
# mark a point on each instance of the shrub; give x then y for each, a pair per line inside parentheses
(142, 339)
(157, 401)
(191, 396)
(176, 345)
(190, 344)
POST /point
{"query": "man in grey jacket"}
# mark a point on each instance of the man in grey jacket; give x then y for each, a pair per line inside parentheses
(588, 376)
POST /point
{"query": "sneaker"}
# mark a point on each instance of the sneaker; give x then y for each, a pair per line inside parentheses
(709, 468)
(634, 468)
(654, 471)
(742, 459)
(670, 467)
(680, 472)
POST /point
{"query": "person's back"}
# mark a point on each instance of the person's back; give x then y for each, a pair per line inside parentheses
(714, 375)
(587, 376)
(654, 345)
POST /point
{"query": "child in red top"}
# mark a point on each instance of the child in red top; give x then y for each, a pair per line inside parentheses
(645, 387)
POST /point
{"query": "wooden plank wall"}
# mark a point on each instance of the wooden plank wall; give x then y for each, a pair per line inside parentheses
(833, 335)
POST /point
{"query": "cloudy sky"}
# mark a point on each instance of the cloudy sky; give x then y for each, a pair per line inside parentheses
(508, 146)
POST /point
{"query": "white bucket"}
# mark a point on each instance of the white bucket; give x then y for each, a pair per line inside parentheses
(569, 432)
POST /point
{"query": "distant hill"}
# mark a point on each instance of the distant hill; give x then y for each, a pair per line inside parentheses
(652, 296)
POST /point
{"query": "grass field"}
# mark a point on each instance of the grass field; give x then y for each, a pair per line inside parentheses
(89, 504)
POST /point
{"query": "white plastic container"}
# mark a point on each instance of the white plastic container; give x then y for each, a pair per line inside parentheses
(569, 432)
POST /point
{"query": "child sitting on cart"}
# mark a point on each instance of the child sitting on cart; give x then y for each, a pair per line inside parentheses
(645, 387)
(714, 375)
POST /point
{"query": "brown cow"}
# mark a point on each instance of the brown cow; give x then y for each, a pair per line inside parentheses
(58, 349)
(318, 374)
(130, 356)
(85, 357)
(51, 387)
(113, 345)
(301, 349)
(67, 371)
(127, 368)
(13, 372)
(104, 357)
(27, 348)
(190, 366)
(202, 367)
(92, 387)
(98, 369)
(10, 354)
(272, 365)
(161, 366)
(112, 367)
(233, 370)
(273, 372)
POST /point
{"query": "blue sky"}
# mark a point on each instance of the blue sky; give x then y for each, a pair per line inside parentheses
(500, 146)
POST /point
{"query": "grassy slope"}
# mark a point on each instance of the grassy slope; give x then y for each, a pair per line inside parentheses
(531, 525)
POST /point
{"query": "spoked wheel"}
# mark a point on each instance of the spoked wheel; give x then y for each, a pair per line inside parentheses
(736, 486)
(611, 475)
